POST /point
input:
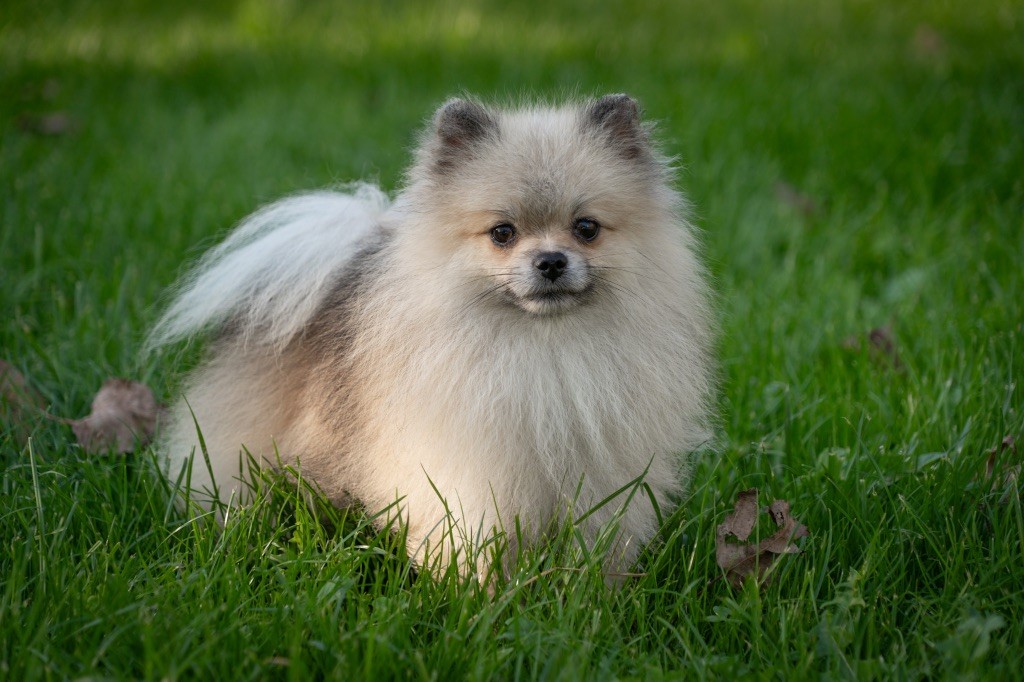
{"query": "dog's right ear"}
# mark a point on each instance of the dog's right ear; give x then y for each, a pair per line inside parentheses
(459, 125)
(618, 117)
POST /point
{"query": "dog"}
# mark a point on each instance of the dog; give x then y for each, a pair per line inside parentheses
(524, 331)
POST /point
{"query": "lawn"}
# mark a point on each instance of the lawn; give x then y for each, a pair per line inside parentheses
(854, 166)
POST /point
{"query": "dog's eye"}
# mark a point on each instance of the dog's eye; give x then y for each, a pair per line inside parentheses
(503, 234)
(586, 229)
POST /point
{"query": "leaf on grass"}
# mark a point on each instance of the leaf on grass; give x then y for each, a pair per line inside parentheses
(927, 45)
(15, 390)
(1003, 476)
(1008, 444)
(18, 400)
(49, 125)
(123, 412)
(753, 559)
(880, 343)
(795, 199)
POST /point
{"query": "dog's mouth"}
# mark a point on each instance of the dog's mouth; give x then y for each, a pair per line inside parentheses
(551, 301)
(551, 296)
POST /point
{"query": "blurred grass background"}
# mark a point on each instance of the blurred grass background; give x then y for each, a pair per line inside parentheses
(853, 165)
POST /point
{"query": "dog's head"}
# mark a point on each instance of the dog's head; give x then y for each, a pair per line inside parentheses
(542, 209)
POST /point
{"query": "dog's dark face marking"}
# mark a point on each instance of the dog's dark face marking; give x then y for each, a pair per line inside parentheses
(618, 117)
(459, 125)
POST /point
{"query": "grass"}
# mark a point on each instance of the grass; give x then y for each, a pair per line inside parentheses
(903, 123)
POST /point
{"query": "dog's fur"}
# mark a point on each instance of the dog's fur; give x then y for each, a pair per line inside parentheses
(398, 353)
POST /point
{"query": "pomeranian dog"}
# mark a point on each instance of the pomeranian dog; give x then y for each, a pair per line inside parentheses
(521, 333)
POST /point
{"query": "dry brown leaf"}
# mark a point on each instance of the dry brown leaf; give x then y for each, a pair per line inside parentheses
(928, 45)
(1008, 444)
(1006, 476)
(14, 388)
(881, 345)
(50, 125)
(46, 91)
(18, 400)
(794, 198)
(50, 89)
(744, 559)
(123, 412)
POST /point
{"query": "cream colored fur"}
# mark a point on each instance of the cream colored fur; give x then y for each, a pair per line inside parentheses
(422, 365)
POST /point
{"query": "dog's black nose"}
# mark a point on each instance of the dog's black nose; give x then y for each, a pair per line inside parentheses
(551, 264)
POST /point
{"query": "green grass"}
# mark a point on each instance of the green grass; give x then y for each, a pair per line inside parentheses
(904, 122)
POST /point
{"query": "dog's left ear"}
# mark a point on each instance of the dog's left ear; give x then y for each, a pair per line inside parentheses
(459, 125)
(618, 116)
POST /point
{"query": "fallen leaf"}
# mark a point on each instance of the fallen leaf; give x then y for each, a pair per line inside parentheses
(14, 388)
(1008, 444)
(123, 412)
(35, 91)
(796, 199)
(927, 44)
(789, 529)
(51, 125)
(741, 521)
(880, 343)
(745, 559)
(18, 400)
(50, 89)
(1003, 477)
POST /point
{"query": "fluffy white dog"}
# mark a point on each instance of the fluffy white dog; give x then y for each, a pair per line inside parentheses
(522, 332)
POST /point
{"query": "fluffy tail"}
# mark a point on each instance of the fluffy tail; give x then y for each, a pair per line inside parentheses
(272, 272)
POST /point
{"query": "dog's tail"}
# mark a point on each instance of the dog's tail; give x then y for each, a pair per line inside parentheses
(273, 271)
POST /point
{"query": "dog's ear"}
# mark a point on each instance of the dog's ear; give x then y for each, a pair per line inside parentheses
(618, 117)
(459, 125)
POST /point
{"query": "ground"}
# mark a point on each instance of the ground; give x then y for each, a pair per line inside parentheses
(853, 165)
